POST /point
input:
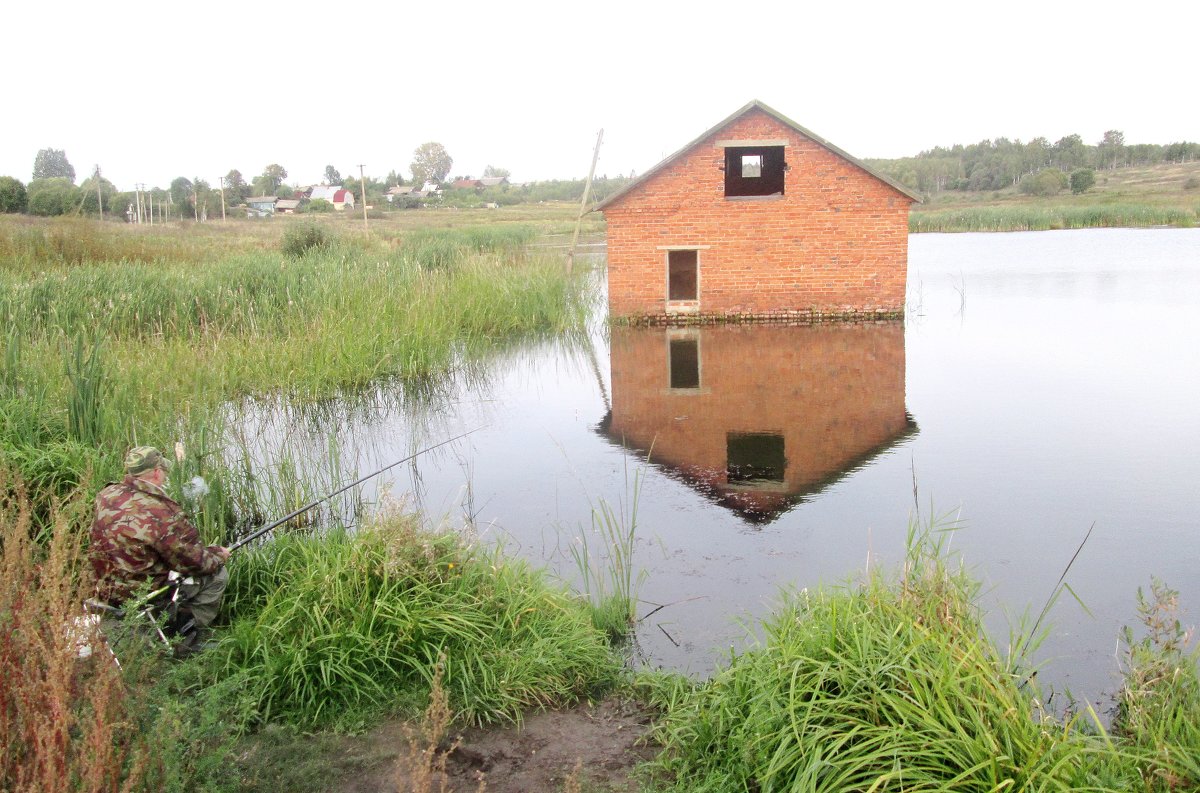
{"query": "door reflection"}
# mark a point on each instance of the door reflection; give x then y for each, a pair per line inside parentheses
(758, 417)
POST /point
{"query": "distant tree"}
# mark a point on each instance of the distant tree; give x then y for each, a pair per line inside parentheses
(52, 164)
(332, 176)
(318, 205)
(235, 186)
(285, 191)
(181, 193)
(273, 176)
(393, 179)
(90, 197)
(13, 196)
(54, 196)
(1111, 148)
(1082, 180)
(492, 172)
(430, 163)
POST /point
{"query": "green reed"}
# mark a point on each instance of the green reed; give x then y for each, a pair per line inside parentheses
(1043, 218)
(604, 560)
(329, 628)
(893, 684)
(182, 339)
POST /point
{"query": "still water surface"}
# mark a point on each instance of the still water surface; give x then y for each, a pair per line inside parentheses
(1041, 384)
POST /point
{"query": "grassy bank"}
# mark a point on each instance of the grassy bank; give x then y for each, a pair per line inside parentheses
(893, 684)
(1135, 197)
(888, 684)
(116, 335)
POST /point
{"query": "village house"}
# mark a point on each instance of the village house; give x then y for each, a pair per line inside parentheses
(262, 206)
(758, 218)
(341, 198)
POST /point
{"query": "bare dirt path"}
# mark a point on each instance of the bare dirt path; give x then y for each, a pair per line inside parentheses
(605, 740)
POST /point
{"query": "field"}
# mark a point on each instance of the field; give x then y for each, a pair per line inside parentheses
(118, 335)
(1158, 195)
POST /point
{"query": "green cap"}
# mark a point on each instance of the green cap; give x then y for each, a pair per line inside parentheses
(141, 459)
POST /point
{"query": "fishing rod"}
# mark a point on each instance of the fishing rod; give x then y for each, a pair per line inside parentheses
(254, 536)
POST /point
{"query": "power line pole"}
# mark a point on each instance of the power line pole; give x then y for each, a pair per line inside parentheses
(99, 195)
(221, 182)
(362, 180)
(587, 190)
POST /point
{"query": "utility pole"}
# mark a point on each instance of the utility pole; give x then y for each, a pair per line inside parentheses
(587, 190)
(362, 180)
(99, 195)
(138, 198)
(150, 203)
(221, 182)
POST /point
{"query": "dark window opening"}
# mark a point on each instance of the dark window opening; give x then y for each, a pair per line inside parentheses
(754, 457)
(684, 361)
(682, 275)
(754, 170)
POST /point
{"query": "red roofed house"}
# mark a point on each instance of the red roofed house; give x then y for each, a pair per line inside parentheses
(758, 218)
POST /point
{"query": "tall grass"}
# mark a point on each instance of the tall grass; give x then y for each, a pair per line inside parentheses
(894, 685)
(171, 342)
(1042, 218)
(63, 719)
(604, 559)
(329, 629)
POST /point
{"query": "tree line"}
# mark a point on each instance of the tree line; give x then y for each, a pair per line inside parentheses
(53, 191)
(1002, 163)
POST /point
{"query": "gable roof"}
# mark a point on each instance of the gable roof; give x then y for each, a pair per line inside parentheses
(752, 105)
(326, 191)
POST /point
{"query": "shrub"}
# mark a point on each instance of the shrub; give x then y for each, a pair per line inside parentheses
(1046, 182)
(1082, 180)
(299, 240)
(1192, 183)
(13, 197)
(317, 205)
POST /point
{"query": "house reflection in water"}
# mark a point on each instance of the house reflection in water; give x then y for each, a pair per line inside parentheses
(758, 417)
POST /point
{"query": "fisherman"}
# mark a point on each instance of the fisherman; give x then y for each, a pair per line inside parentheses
(140, 535)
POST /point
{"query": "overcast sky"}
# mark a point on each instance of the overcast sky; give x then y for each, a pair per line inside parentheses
(155, 91)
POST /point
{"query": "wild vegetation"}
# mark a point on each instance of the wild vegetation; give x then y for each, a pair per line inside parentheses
(893, 684)
(118, 334)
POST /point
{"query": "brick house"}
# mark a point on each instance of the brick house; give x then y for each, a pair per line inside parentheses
(758, 218)
(759, 417)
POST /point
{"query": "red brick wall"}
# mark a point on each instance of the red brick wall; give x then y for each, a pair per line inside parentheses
(834, 391)
(836, 242)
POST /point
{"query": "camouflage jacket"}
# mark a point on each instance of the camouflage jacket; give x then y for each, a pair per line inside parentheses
(140, 535)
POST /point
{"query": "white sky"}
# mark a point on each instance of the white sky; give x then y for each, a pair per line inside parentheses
(155, 91)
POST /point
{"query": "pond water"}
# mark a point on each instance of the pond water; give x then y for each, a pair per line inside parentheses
(1043, 384)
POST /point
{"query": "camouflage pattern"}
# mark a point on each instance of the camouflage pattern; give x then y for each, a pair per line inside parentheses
(140, 535)
(141, 459)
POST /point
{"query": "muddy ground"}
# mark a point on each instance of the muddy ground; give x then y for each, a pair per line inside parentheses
(605, 740)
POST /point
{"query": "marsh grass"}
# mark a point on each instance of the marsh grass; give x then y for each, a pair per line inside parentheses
(891, 684)
(604, 560)
(103, 352)
(1042, 218)
(334, 628)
